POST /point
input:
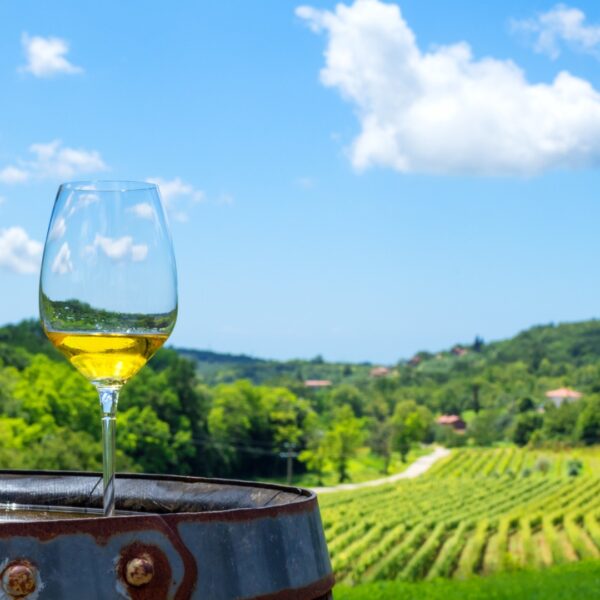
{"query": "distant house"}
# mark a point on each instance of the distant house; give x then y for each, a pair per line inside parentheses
(459, 351)
(317, 383)
(453, 421)
(562, 395)
(380, 372)
(415, 360)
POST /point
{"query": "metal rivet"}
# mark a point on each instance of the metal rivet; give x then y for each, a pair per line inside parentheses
(19, 579)
(140, 570)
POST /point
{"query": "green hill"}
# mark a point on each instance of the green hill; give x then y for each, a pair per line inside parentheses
(573, 343)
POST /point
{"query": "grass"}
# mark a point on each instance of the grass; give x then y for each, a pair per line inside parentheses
(577, 581)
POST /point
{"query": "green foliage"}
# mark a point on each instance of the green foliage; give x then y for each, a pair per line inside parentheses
(542, 464)
(204, 419)
(560, 423)
(525, 404)
(381, 439)
(343, 439)
(316, 454)
(349, 395)
(574, 467)
(467, 516)
(588, 422)
(410, 423)
(487, 427)
(525, 424)
(566, 582)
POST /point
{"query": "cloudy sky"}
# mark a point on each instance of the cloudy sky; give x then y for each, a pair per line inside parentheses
(360, 180)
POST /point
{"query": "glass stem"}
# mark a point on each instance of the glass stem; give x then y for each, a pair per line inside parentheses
(109, 397)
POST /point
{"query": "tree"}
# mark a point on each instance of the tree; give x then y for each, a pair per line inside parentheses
(287, 414)
(410, 423)
(476, 404)
(478, 344)
(146, 439)
(560, 422)
(525, 424)
(588, 422)
(48, 388)
(230, 422)
(315, 455)
(350, 395)
(343, 439)
(486, 428)
(525, 404)
(381, 441)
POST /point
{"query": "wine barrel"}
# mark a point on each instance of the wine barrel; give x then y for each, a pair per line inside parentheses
(175, 538)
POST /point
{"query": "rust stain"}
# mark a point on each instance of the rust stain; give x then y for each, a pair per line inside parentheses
(18, 579)
(139, 571)
(150, 584)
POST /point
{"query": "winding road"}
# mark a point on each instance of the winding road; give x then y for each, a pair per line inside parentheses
(420, 466)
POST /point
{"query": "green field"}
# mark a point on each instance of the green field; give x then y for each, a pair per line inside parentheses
(579, 581)
(477, 512)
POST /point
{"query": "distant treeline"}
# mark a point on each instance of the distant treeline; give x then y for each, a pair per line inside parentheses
(204, 413)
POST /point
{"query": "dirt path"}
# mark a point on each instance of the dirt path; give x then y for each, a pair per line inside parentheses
(417, 468)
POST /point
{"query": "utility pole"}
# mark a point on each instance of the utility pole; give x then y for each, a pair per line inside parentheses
(289, 454)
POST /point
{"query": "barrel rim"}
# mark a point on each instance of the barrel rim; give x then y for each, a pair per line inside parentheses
(167, 477)
(306, 500)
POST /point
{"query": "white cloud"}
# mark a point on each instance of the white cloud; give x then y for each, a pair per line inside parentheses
(12, 174)
(18, 252)
(178, 196)
(172, 189)
(62, 263)
(305, 182)
(58, 229)
(46, 56)
(444, 111)
(143, 210)
(560, 24)
(120, 248)
(52, 160)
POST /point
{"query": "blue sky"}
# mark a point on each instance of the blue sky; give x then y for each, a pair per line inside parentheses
(341, 181)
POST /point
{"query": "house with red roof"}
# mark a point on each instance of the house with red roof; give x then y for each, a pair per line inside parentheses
(317, 383)
(453, 421)
(562, 395)
(380, 372)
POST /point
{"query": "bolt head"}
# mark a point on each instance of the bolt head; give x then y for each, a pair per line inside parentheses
(19, 579)
(140, 570)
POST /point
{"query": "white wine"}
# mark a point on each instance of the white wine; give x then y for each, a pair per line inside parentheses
(108, 359)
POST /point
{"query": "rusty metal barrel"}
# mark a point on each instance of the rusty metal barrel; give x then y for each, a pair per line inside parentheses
(173, 538)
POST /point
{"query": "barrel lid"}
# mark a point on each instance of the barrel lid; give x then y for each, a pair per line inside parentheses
(136, 493)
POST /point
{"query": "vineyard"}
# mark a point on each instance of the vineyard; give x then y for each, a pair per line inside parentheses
(478, 511)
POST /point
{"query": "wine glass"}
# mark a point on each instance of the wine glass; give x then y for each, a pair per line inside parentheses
(108, 289)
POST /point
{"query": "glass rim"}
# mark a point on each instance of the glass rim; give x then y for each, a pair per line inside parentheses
(108, 185)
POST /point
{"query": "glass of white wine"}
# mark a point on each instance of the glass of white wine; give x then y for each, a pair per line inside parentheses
(108, 289)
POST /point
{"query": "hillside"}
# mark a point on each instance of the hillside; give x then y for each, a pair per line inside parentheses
(233, 415)
(477, 512)
(574, 344)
